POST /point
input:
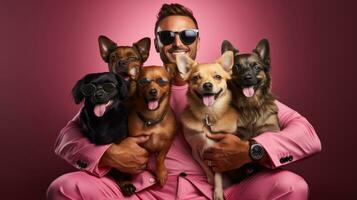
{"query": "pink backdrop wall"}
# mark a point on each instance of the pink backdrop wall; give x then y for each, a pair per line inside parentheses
(47, 45)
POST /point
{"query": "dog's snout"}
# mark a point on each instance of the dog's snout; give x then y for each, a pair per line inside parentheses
(99, 93)
(207, 86)
(153, 92)
(248, 77)
(123, 62)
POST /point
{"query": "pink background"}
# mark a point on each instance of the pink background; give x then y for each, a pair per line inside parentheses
(47, 45)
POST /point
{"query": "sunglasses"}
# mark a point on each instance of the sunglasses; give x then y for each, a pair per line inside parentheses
(159, 81)
(187, 37)
(89, 89)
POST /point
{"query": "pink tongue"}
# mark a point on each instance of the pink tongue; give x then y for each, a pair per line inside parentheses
(249, 91)
(152, 105)
(208, 100)
(100, 109)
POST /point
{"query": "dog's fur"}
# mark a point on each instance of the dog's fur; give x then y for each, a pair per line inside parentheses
(250, 85)
(125, 60)
(104, 117)
(208, 96)
(151, 102)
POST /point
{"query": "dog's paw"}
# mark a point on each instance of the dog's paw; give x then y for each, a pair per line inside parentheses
(161, 177)
(218, 195)
(127, 189)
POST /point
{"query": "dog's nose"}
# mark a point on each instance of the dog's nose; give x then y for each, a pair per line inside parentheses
(153, 92)
(207, 86)
(123, 62)
(99, 94)
(248, 77)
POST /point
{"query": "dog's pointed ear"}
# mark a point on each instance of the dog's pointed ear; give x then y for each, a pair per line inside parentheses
(122, 87)
(106, 46)
(184, 64)
(227, 46)
(77, 91)
(227, 61)
(143, 47)
(263, 51)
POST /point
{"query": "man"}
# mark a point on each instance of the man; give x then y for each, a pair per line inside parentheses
(176, 32)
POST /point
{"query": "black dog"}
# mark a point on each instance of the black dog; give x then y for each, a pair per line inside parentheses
(104, 117)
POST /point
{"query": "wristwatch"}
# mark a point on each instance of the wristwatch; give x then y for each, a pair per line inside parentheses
(256, 150)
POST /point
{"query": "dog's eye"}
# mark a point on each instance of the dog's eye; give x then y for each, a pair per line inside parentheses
(161, 82)
(132, 58)
(218, 77)
(256, 68)
(196, 78)
(144, 81)
(238, 67)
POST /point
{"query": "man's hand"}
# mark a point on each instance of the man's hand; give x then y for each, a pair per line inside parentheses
(228, 153)
(127, 156)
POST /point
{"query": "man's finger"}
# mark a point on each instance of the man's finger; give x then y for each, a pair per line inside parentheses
(141, 139)
(215, 136)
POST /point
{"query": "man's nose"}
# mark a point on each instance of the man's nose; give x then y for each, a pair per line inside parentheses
(177, 42)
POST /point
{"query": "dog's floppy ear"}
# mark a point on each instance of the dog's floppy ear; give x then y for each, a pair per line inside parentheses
(106, 46)
(143, 47)
(227, 46)
(77, 91)
(122, 87)
(263, 51)
(184, 64)
(227, 61)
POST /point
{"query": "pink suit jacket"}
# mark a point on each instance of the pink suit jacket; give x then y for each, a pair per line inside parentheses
(296, 140)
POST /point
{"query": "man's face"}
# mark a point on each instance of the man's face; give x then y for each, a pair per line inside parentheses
(176, 24)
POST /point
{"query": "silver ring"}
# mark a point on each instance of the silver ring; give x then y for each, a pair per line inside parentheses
(209, 163)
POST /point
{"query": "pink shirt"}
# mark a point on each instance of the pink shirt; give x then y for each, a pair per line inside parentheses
(296, 140)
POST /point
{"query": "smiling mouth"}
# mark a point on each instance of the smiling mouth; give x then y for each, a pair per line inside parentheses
(208, 98)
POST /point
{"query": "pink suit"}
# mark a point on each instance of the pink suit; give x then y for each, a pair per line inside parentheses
(186, 180)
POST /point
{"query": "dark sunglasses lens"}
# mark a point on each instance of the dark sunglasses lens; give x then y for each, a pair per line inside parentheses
(166, 37)
(188, 36)
(88, 89)
(108, 87)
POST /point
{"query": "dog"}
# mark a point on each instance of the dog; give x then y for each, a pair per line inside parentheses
(208, 108)
(252, 98)
(152, 115)
(104, 117)
(125, 60)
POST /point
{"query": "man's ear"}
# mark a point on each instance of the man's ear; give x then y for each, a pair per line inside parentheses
(263, 51)
(143, 47)
(226, 61)
(184, 64)
(156, 44)
(227, 46)
(106, 46)
(77, 91)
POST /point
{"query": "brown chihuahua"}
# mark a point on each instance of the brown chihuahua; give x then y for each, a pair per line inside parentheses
(124, 60)
(208, 108)
(152, 115)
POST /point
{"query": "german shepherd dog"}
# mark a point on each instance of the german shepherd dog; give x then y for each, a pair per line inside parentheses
(208, 108)
(104, 117)
(252, 98)
(125, 60)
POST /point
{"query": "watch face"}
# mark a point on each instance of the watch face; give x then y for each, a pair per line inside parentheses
(256, 151)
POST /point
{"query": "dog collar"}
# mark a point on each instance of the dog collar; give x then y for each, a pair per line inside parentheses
(151, 122)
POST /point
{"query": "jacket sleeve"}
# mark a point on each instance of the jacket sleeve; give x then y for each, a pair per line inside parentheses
(296, 140)
(76, 149)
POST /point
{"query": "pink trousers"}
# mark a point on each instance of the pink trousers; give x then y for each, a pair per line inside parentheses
(266, 185)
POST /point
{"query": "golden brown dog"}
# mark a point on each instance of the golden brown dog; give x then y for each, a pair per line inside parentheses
(124, 60)
(250, 86)
(208, 108)
(151, 114)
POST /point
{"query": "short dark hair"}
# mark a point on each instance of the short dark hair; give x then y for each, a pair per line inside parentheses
(173, 9)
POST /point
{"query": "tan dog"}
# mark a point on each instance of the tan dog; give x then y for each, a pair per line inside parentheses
(124, 60)
(152, 115)
(208, 108)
